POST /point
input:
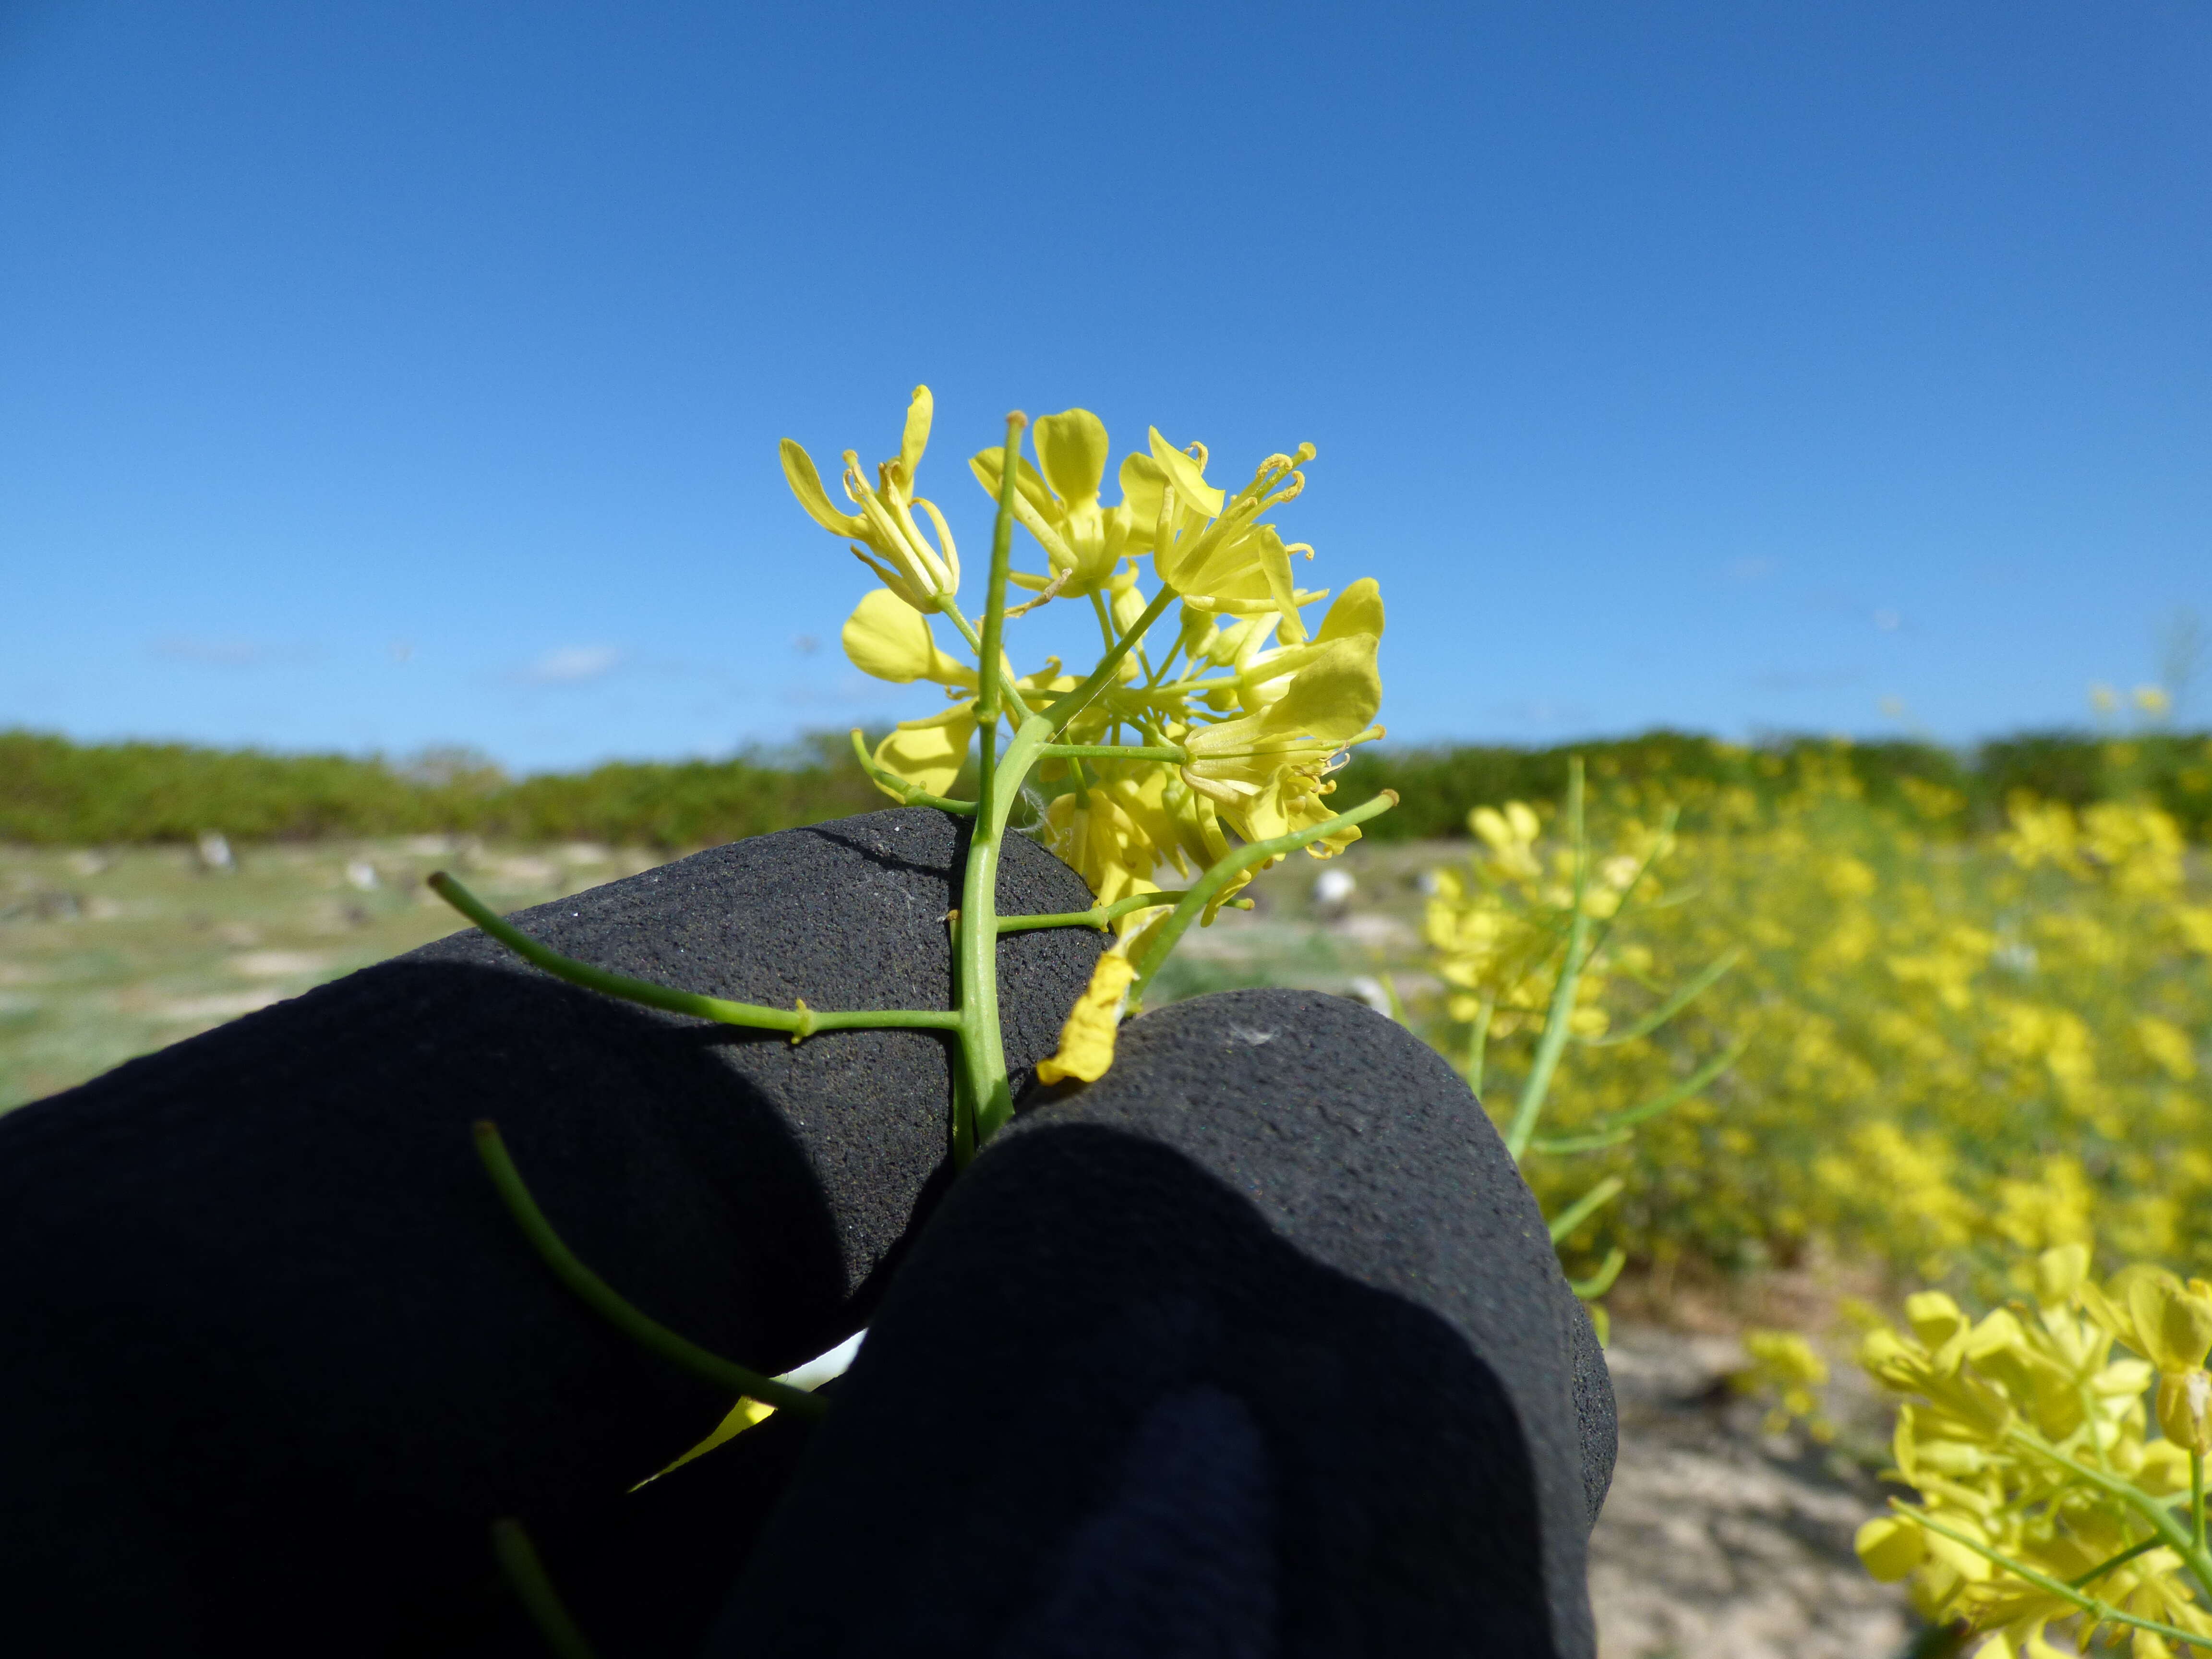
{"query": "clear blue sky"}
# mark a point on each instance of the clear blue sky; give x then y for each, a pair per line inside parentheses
(376, 375)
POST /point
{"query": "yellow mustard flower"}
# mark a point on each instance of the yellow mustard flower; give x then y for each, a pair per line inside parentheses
(1083, 541)
(1265, 771)
(885, 536)
(889, 638)
(1209, 547)
(1086, 1041)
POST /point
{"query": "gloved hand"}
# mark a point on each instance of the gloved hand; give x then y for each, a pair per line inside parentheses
(272, 1356)
(1256, 1347)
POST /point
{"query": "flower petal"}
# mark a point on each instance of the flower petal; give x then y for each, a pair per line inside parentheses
(1086, 1041)
(1184, 473)
(1071, 450)
(806, 484)
(887, 637)
(931, 752)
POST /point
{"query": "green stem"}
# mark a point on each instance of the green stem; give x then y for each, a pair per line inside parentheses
(1588, 1290)
(1100, 914)
(1114, 751)
(2177, 1537)
(907, 795)
(1203, 890)
(1008, 689)
(601, 1297)
(1585, 1206)
(981, 1086)
(1554, 1042)
(982, 1054)
(525, 1574)
(2197, 1498)
(2100, 1609)
(1478, 1043)
(2085, 1580)
(1068, 705)
(1614, 1130)
(801, 1022)
(1621, 911)
(1674, 1004)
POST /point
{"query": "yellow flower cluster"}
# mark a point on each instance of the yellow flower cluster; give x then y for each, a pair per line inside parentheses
(1954, 1048)
(1244, 713)
(1495, 924)
(1786, 1367)
(2045, 1497)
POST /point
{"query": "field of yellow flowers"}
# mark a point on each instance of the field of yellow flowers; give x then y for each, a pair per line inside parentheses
(1942, 1051)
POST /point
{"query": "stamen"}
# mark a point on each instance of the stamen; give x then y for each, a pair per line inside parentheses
(1050, 592)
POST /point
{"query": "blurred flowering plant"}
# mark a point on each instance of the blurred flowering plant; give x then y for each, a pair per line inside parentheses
(1524, 936)
(2046, 1497)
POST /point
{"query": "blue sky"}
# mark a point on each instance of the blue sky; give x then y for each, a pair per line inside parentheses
(380, 375)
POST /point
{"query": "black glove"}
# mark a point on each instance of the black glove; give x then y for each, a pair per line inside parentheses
(1257, 1346)
(272, 1356)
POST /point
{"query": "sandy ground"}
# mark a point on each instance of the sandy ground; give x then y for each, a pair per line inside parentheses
(1720, 1541)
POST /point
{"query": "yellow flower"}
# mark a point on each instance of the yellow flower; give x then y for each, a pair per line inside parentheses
(892, 641)
(1264, 676)
(1890, 1547)
(1083, 541)
(1264, 772)
(2170, 1324)
(1086, 1041)
(1210, 547)
(929, 752)
(2152, 1311)
(1116, 833)
(889, 542)
(1094, 834)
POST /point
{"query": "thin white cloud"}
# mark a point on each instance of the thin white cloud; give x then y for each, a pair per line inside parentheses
(574, 665)
(217, 651)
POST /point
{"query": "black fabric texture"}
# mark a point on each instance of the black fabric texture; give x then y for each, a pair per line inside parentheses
(272, 1356)
(1277, 1199)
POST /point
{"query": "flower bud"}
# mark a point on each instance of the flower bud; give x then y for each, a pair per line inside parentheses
(1890, 1547)
(2185, 1408)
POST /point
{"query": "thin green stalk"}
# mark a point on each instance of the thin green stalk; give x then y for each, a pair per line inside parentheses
(2197, 1498)
(2098, 1608)
(1614, 1130)
(1478, 1043)
(1105, 619)
(602, 1298)
(1114, 751)
(982, 1054)
(525, 1575)
(1554, 1041)
(1600, 1281)
(1397, 1003)
(801, 1022)
(1585, 1206)
(1682, 999)
(2084, 1580)
(1066, 706)
(2178, 1537)
(1196, 896)
(910, 794)
(1100, 915)
(981, 1086)
(1659, 844)
(974, 640)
